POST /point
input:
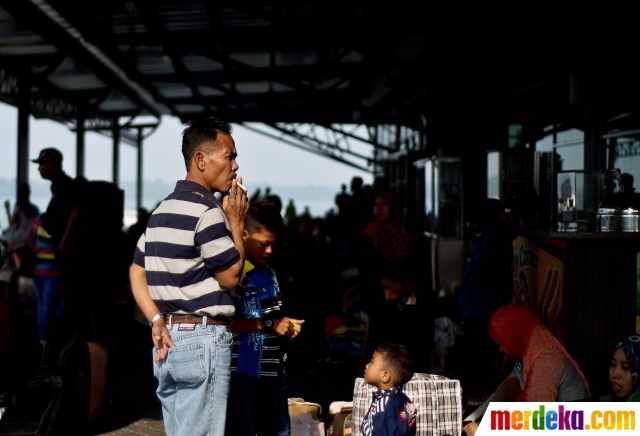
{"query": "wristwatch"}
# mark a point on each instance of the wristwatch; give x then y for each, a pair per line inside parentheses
(268, 324)
(154, 318)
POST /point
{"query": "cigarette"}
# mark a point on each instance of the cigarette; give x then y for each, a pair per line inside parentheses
(241, 187)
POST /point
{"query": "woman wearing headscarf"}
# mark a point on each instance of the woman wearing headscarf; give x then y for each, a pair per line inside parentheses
(395, 277)
(544, 369)
(623, 372)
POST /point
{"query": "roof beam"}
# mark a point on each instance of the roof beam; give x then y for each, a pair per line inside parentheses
(310, 148)
(277, 74)
(54, 27)
(270, 98)
(151, 21)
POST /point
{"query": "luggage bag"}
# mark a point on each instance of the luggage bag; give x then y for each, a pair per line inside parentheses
(438, 398)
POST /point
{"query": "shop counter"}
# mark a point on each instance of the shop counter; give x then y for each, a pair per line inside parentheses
(584, 286)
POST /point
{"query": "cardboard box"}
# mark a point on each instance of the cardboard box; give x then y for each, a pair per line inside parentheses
(312, 410)
(297, 405)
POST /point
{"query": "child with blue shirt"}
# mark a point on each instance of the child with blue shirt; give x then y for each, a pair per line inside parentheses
(257, 404)
(391, 413)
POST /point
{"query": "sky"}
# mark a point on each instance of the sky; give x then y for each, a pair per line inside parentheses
(310, 180)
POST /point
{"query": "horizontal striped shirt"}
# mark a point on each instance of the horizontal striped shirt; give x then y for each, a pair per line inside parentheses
(186, 242)
(46, 264)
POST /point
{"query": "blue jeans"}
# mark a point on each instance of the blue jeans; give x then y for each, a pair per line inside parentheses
(258, 406)
(50, 303)
(194, 381)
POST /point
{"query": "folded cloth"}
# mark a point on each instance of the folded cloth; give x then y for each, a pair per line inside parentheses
(336, 406)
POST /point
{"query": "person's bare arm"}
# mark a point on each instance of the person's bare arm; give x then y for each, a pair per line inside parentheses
(235, 207)
(508, 390)
(471, 428)
(288, 327)
(281, 326)
(10, 216)
(140, 290)
(394, 290)
(71, 226)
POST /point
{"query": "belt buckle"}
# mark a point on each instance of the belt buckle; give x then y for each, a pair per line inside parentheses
(204, 321)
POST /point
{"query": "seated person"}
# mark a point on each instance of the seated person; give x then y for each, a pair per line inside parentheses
(544, 370)
(623, 373)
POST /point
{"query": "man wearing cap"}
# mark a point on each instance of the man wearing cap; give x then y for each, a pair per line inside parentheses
(61, 222)
(63, 211)
(187, 261)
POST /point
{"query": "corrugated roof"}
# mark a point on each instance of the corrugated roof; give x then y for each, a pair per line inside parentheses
(352, 61)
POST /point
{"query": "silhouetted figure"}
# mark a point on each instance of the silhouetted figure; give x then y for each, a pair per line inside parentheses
(380, 183)
(276, 200)
(290, 211)
(486, 285)
(631, 198)
(627, 183)
(256, 196)
(20, 224)
(624, 197)
(359, 207)
(342, 199)
(62, 222)
(47, 281)
(136, 229)
(395, 291)
(60, 382)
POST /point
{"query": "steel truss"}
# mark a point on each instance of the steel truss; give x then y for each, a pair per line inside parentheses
(46, 104)
(128, 133)
(335, 141)
(43, 102)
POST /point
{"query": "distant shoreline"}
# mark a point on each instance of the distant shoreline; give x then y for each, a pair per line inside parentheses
(319, 199)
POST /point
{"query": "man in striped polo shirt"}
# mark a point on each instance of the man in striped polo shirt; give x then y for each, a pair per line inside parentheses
(185, 263)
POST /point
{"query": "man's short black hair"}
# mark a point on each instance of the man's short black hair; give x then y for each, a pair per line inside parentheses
(397, 361)
(202, 135)
(264, 215)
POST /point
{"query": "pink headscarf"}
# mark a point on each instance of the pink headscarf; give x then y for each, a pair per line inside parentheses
(519, 331)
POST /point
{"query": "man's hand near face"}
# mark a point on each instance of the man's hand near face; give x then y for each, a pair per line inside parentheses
(235, 204)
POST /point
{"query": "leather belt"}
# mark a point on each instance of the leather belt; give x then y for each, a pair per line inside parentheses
(196, 319)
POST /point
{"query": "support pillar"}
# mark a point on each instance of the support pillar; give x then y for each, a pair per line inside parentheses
(116, 152)
(139, 172)
(24, 111)
(80, 145)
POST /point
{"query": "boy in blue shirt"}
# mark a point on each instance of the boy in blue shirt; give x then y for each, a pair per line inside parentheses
(257, 403)
(391, 413)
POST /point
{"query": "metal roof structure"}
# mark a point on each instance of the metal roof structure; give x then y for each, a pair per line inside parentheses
(425, 67)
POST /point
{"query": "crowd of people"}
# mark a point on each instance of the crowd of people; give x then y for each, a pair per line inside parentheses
(227, 279)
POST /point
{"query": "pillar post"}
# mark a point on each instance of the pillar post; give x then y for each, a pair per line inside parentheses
(116, 152)
(80, 143)
(139, 171)
(24, 112)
